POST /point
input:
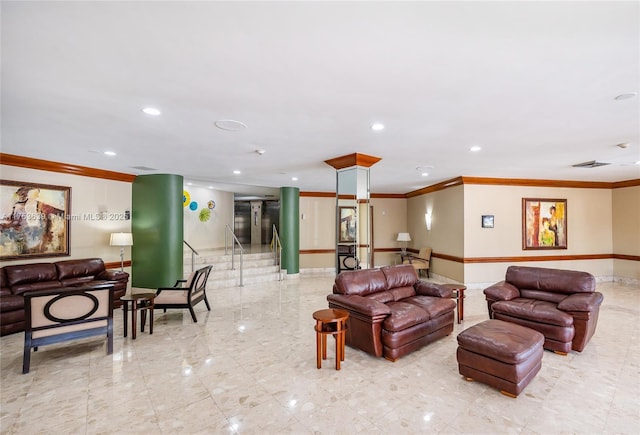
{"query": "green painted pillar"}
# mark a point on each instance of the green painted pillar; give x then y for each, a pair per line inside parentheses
(289, 230)
(157, 227)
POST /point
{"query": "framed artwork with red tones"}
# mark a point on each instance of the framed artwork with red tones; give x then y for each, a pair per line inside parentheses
(34, 221)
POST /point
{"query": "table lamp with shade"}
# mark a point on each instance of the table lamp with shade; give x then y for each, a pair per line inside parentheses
(403, 238)
(122, 240)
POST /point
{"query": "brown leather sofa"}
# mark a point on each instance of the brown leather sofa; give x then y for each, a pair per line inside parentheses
(17, 279)
(561, 304)
(391, 312)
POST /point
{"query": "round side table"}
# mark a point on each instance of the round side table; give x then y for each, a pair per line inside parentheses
(458, 295)
(142, 302)
(330, 322)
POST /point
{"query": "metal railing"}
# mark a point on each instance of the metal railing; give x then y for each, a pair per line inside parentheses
(193, 255)
(234, 242)
(277, 252)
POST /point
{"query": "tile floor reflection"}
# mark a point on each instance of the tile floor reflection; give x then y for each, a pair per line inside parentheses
(248, 366)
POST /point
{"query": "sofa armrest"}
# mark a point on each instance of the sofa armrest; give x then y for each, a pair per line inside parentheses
(426, 288)
(581, 302)
(502, 291)
(364, 306)
(113, 275)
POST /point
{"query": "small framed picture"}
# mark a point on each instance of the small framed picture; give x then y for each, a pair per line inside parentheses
(487, 221)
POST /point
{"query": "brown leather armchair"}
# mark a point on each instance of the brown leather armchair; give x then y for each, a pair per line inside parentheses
(561, 304)
(391, 311)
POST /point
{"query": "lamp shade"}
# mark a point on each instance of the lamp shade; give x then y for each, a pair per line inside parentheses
(403, 237)
(121, 239)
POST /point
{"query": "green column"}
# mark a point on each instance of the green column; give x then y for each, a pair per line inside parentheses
(289, 230)
(157, 227)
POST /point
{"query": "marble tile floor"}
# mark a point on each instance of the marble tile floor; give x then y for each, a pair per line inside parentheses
(248, 366)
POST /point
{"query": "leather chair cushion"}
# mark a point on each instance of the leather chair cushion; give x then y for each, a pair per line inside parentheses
(28, 273)
(399, 276)
(435, 307)
(11, 303)
(553, 280)
(534, 310)
(360, 282)
(404, 315)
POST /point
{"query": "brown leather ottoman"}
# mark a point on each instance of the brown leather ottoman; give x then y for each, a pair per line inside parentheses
(500, 354)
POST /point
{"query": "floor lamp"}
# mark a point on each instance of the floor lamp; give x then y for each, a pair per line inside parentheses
(122, 240)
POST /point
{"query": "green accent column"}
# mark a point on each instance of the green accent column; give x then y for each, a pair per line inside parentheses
(289, 230)
(157, 227)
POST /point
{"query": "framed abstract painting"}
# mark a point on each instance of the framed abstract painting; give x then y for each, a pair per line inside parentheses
(35, 220)
(544, 223)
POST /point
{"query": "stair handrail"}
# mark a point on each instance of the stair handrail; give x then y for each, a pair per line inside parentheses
(234, 241)
(193, 255)
(277, 251)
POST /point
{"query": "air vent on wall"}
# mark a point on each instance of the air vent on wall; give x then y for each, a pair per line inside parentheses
(591, 164)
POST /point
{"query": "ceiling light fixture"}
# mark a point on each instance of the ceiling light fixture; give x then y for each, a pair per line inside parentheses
(377, 126)
(230, 125)
(109, 153)
(237, 172)
(294, 178)
(260, 152)
(623, 145)
(151, 111)
(475, 148)
(425, 174)
(625, 96)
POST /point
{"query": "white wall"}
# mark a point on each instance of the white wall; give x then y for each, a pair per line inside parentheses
(209, 234)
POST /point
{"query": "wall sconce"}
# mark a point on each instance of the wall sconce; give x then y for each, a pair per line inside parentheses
(427, 220)
(403, 238)
(122, 240)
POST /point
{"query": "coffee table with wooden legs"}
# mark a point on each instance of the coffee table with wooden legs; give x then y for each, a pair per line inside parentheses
(142, 302)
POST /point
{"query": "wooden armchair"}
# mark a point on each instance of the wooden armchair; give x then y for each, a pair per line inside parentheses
(62, 314)
(421, 262)
(186, 293)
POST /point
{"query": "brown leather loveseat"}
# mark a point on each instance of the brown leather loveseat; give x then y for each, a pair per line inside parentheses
(17, 279)
(391, 312)
(561, 304)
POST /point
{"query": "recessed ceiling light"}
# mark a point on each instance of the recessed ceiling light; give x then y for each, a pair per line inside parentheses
(475, 148)
(210, 187)
(109, 153)
(377, 126)
(151, 111)
(626, 96)
(425, 174)
(261, 152)
(294, 178)
(230, 125)
(189, 184)
(237, 172)
(638, 162)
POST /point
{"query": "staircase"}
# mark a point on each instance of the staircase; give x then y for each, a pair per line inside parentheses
(257, 267)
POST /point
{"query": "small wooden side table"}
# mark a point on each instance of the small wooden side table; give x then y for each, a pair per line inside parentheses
(330, 322)
(142, 302)
(458, 295)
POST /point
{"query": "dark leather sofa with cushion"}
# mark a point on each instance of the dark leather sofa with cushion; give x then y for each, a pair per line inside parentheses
(20, 278)
(561, 304)
(391, 311)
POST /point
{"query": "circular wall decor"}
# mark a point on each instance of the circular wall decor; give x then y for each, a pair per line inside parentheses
(211, 204)
(193, 206)
(205, 215)
(186, 198)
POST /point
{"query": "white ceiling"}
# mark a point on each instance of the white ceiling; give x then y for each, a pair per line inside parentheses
(533, 83)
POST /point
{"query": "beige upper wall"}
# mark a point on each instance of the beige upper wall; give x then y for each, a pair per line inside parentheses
(89, 197)
(626, 231)
(589, 220)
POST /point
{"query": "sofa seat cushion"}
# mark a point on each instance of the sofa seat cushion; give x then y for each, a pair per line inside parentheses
(11, 303)
(404, 315)
(435, 307)
(534, 310)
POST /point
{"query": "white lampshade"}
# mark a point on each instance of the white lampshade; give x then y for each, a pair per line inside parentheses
(121, 239)
(403, 237)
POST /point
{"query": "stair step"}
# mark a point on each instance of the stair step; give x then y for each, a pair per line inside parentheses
(256, 268)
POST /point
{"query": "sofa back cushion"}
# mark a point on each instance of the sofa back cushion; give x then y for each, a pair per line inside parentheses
(550, 280)
(72, 272)
(360, 282)
(34, 276)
